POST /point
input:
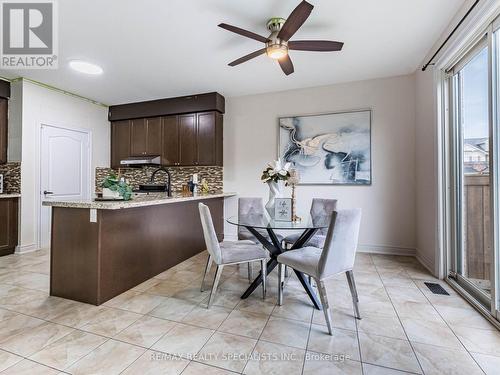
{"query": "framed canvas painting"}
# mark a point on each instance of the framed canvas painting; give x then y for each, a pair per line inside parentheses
(328, 149)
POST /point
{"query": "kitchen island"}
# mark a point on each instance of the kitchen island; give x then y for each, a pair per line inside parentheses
(102, 249)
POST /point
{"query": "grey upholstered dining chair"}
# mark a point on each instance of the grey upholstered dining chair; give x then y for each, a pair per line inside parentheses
(337, 256)
(227, 253)
(251, 206)
(319, 208)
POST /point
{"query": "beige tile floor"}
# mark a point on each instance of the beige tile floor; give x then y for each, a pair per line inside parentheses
(163, 327)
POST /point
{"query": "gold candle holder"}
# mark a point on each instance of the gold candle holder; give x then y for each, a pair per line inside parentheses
(293, 181)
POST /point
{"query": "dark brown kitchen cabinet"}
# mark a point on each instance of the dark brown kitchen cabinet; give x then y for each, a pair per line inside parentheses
(219, 139)
(154, 141)
(120, 142)
(138, 137)
(145, 137)
(181, 140)
(206, 138)
(8, 225)
(187, 140)
(209, 138)
(3, 130)
(170, 137)
(192, 139)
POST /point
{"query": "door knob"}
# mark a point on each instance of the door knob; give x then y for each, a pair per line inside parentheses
(47, 192)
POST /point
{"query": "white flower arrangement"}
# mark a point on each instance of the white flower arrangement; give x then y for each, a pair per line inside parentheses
(276, 171)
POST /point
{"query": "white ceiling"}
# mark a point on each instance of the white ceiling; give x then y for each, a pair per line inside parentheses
(160, 48)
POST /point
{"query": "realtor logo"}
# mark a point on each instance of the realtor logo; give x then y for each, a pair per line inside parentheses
(29, 38)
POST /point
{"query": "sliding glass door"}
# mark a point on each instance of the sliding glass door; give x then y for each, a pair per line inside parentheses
(473, 165)
(472, 178)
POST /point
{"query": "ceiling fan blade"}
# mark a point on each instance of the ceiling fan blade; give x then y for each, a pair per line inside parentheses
(286, 65)
(247, 57)
(295, 20)
(243, 32)
(315, 45)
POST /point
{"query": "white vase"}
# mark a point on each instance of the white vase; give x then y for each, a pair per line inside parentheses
(276, 190)
(108, 193)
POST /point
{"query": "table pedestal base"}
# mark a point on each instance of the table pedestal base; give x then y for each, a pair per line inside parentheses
(275, 248)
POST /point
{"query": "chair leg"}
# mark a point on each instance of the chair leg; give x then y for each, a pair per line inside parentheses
(250, 272)
(263, 267)
(324, 302)
(281, 281)
(354, 293)
(218, 272)
(207, 270)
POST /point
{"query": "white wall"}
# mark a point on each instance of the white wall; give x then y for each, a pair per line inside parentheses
(426, 146)
(42, 105)
(15, 122)
(251, 137)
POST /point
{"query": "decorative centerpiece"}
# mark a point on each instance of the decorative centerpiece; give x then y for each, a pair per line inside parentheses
(115, 187)
(294, 181)
(275, 175)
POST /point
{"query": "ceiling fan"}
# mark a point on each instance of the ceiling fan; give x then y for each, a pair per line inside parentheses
(278, 43)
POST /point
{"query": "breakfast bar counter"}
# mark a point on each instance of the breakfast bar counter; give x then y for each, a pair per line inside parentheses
(102, 249)
(144, 200)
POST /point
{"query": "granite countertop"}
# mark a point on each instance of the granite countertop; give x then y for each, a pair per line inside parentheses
(9, 195)
(151, 199)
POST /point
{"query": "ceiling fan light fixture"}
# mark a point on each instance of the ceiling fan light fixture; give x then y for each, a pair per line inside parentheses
(278, 43)
(277, 51)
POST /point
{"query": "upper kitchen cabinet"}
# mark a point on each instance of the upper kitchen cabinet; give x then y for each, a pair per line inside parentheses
(4, 110)
(185, 131)
(3, 130)
(145, 137)
(209, 138)
(192, 139)
(170, 137)
(120, 142)
(187, 140)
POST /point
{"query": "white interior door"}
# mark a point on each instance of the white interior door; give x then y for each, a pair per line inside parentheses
(64, 171)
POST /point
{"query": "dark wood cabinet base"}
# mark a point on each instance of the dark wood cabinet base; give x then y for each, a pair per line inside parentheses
(9, 208)
(93, 262)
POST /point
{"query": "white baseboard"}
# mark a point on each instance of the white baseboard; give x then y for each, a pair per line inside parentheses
(26, 248)
(374, 249)
(388, 250)
(426, 262)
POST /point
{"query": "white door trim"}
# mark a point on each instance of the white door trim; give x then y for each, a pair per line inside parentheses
(38, 179)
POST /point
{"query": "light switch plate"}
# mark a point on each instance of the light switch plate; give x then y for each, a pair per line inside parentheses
(93, 215)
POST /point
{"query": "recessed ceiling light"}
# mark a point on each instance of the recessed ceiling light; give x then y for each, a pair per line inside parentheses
(85, 67)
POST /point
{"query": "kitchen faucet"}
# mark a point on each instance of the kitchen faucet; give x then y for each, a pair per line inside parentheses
(168, 183)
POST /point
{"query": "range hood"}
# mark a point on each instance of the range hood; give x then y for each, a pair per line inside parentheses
(140, 161)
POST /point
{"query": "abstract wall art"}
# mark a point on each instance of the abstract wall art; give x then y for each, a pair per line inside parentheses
(333, 149)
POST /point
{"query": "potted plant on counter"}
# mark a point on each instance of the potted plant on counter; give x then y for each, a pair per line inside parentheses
(116, 187)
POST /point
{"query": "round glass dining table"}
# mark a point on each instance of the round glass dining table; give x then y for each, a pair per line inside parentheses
(260, 225)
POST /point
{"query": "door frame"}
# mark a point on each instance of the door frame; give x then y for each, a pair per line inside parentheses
(38, 178)
(447, 174)
(456, 177)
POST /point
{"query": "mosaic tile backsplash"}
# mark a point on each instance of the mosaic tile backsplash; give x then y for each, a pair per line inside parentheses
(180, 176)
(11, 177)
